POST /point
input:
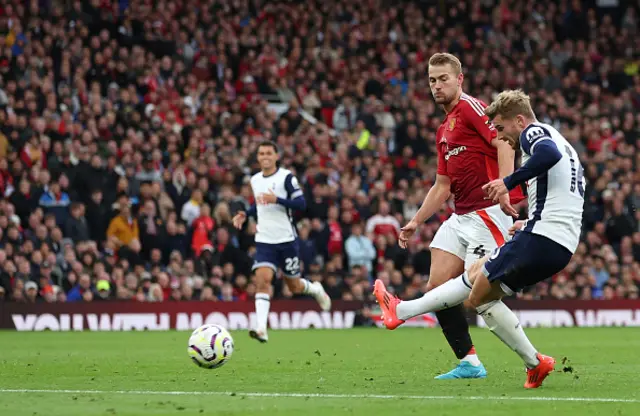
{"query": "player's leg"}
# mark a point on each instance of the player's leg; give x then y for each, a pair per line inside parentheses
(521, 262)
(453, 320)
(264, 268)
(447, 253)
(486, 297)
(443, 265)
(501, 320)
(290, 262)
(453, 292)
(482, 231)
(264, 276)
(299, 285)
(448, 250)
(448, 256)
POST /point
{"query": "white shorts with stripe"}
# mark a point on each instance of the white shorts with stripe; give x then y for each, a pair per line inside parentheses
(473, 235)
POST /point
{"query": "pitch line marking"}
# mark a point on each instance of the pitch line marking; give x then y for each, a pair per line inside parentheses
(329, 395)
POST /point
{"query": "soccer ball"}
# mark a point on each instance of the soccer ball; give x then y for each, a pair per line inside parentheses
(210, 346)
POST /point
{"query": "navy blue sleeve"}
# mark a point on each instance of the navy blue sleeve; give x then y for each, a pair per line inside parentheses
(299, 204)
(252, 211)
(545, 156)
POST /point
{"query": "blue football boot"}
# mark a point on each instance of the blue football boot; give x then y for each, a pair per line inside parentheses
(464, 370)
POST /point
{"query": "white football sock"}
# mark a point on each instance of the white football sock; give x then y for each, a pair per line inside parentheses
(262, 311)
(311, 289)
(505, 325)
(472, 358)
(452, 293)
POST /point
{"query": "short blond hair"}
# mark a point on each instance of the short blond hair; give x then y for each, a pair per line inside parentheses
(509, 104)
(443, 58)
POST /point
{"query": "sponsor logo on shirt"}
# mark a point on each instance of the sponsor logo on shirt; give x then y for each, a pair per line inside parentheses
(455, 152)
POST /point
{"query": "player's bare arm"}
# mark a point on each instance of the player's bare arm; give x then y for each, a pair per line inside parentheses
(437, 195)
(506, 162)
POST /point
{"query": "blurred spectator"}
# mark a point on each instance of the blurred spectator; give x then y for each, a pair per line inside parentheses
(383, 223)
(359, 249)
(55, 201)
(76, 227)
(308, 250)
(202, 226)
(191, 210)
(78, 291)
(123, 229)
(103, 289)
(31, 292)
(97, 214)
(152, 229)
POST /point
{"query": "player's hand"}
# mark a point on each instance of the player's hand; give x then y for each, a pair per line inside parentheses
(406, 232)
(495, 189)
(518, 225)
(267, 198)
(506, 207)
(239, 219)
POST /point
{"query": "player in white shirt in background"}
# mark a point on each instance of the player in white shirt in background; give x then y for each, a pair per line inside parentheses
(277, 194)
(542, 245)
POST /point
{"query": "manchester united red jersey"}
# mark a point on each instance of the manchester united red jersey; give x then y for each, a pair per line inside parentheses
(466, 156)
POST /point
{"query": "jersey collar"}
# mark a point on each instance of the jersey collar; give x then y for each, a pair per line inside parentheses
(268, 176)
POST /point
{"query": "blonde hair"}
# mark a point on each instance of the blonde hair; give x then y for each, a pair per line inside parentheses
(221, 213)
(509, 104)
(443, 58)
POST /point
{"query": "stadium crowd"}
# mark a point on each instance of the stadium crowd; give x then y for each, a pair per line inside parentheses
(128, 132)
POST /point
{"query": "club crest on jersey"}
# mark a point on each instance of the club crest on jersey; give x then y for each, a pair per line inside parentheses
(452, 124)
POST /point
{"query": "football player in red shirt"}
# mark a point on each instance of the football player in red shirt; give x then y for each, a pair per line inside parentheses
(469, 156)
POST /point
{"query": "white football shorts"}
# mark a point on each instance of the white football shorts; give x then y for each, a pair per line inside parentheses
(473, 235)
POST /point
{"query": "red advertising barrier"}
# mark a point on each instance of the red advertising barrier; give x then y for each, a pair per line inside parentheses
(575, 313)
(285, 314)
(128, 316)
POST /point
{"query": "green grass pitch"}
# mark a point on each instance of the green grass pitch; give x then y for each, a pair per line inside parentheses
(322, 372)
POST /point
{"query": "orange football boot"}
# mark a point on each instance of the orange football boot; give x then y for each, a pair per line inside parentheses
(388, 304)
(535, 376)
